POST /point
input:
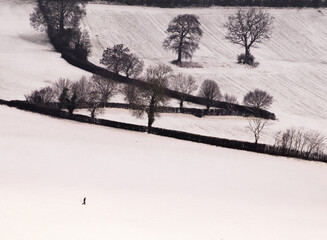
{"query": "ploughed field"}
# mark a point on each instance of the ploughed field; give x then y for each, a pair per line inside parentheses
(293, 63)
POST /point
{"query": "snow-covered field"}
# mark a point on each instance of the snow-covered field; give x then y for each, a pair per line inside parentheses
(27, 59)
(144, 187)
(293, 66)
(140, 186)
(230, 127)
(293, 63)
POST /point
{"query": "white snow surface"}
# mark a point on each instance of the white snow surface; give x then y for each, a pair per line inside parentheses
(230, 127)
(293, 63)
(27, 59)
(144, 187)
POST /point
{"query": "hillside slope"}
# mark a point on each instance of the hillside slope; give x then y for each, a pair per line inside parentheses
(145, 187)
(27, 59)
(293, 64)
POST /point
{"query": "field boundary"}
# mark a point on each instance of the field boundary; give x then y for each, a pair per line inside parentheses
(221, 142)
(233, 109)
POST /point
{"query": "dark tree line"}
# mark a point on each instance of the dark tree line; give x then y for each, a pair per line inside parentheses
(60, 19)
(204, 3)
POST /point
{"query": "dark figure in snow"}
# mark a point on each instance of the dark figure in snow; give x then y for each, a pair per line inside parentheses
(84, 201)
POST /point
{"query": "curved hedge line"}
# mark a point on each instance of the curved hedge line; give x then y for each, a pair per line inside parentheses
(69, 56)
(234, 109)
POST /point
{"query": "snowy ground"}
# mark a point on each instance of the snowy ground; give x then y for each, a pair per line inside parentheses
(140, 186)
(231, 127)
(293, 64)
(143, 187)
(27, 59)
(295, 78)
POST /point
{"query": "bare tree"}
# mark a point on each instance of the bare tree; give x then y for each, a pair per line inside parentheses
(81, 89)
(148, 100)
(60, 85)
(106, 87)
(63, 94)
(133, 66)
(229, 98)
(248, 28)
(256, 126)
(185, 85)
(184, 35)
(258, 99)
(133, 96)
(315, 143)
(91, 93)
(45, 95)
(93, 100)
(210, 92)
(304, 142)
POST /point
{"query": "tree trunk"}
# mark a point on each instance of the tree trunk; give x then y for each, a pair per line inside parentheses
(151, 112)
(247, 55)
(179, 59)
(93, 114)
(181, 109)
(207, 110)
(256, 138)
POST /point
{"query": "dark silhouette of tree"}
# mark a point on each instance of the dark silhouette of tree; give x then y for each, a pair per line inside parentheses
(93, 101)
(229, 98)
(133, 66)
(106, 88)
(256, 126)
(304, 142)
(45, 95)
(210, 92)
(118, 59)
(57, 15)
(81, 89)
(115, 58)
(148, 100)
(61, 20)
(67, 100)
(258, 99)
(90, 94)
(80, 44)
(184, 34)
(248, 28)
(185, 85)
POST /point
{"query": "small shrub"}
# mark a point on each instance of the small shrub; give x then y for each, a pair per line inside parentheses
(187, 64)
(250, 60)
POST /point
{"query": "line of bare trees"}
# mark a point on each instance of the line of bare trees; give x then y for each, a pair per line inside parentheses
(95, 92)
(91, 94)
(306, 143)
